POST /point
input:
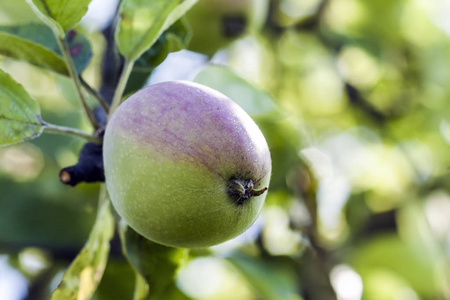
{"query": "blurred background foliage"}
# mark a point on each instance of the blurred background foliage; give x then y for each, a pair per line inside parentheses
(352, 97)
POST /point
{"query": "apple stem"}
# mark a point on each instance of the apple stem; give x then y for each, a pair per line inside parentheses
(242, 190)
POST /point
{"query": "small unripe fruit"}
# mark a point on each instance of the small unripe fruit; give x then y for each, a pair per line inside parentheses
(184, 165)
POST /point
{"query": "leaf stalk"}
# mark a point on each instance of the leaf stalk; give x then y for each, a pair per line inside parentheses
(56, 129)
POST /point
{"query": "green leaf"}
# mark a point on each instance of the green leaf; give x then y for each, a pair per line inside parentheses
(14, 12)
(20, 49)
(38, 33)
(155, 265)
(44, 198)
(388, 252)
(84, 274)
(273, 279)
(254, 101)
(175, 38)
(142, 22)
(61, 15)
(79, 47)
(117, 281)
(20, 118)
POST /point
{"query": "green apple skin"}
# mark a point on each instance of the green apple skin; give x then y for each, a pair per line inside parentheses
(173, 151)
(208, 20)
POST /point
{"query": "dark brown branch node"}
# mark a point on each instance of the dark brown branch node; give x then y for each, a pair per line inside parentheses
(88, 169)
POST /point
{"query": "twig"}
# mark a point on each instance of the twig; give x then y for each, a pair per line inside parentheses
(97, 95)
(73, 74)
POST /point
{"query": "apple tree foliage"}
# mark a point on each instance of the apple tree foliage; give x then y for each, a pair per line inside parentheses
(352, 97)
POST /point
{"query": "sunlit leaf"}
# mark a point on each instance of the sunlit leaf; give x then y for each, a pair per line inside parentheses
(19, 113)
(175, 38)
(142, 22)
(14, 11)
(155, 265)
(254, 101)
(390, 253)
(84, 274)
(41, 35)
(61, 15)
(415, 230)
(273, 279)
(20, 49)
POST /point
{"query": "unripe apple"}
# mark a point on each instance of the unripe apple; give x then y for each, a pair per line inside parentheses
(184, 165)
(217, 23)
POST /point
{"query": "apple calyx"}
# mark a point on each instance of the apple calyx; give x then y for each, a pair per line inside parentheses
(243, 190)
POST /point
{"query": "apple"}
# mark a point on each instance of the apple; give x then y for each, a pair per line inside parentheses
(217, 23)
(184, 165)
